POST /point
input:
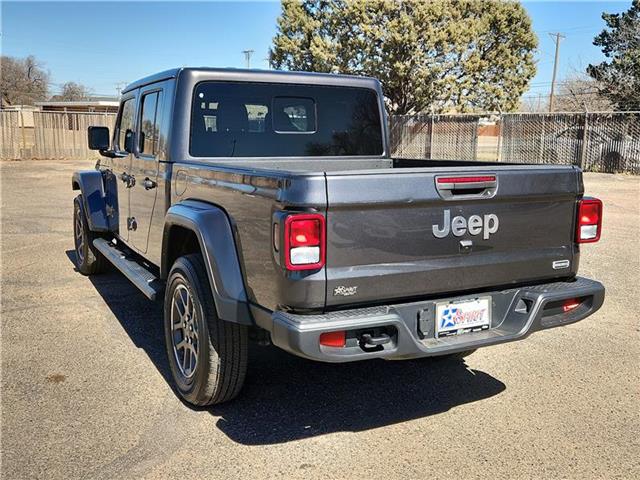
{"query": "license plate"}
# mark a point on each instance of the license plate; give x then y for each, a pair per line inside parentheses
(456, 318)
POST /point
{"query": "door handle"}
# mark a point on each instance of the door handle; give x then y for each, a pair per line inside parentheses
(129, 180)
(149, 184)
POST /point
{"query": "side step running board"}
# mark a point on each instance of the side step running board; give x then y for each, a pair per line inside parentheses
(142, 278)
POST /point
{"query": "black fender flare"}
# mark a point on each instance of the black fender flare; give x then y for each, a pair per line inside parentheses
(89, 182)
(212, 228)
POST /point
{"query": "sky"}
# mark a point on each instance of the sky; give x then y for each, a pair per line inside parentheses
(105, 45)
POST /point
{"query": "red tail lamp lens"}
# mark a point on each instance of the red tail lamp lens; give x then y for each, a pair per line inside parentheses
(571, 304)
(589, 213)
(333, 339)
(305, 233)
(589, 221)
(304, 238)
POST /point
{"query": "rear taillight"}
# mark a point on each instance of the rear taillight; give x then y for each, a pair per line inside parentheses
(589, 221)
(304, 241)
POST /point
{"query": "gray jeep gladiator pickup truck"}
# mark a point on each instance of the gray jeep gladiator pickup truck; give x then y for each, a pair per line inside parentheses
(266, 205)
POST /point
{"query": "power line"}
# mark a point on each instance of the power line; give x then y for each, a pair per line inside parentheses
(572, 29)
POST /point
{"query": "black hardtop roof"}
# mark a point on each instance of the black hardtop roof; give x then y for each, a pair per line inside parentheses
(244, 75)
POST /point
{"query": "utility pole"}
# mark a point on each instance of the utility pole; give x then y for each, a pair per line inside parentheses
(120, 86)
(558, 37)
(247, 57)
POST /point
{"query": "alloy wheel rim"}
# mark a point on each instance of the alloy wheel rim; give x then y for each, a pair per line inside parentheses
(79, 237)
(184, 331)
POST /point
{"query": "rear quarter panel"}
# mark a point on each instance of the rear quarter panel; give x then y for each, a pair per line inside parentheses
(251, 198)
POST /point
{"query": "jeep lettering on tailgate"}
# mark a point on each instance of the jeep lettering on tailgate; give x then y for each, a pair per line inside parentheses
(459, 225)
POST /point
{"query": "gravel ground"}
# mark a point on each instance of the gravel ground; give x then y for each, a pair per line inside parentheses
(85, 390)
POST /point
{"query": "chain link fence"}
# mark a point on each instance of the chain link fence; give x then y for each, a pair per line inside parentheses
(600, 142)
(445, 137)
(48, 135)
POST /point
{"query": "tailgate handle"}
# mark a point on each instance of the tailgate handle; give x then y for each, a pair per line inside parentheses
(467, 186)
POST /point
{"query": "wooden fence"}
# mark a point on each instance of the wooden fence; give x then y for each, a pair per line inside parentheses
(11, 141)
(48, 135)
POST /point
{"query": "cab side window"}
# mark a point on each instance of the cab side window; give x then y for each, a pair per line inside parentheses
(149, 123)
(126, 125)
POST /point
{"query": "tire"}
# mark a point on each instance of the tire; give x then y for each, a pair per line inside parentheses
(207, 356)
(89, 260)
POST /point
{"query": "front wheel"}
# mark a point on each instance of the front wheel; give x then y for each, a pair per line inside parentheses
(207, 355)
(89, 260)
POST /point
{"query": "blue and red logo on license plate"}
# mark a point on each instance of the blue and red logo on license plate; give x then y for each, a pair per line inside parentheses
(455, 318)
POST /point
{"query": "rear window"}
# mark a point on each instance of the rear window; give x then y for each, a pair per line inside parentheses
(282, 120)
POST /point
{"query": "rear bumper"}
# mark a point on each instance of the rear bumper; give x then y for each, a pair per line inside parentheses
(516, 313)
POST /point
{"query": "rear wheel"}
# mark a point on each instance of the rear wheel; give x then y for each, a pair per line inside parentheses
(89, 260)
(207, 355)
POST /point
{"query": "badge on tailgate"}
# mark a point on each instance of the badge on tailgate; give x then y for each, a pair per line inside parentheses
(459, 225)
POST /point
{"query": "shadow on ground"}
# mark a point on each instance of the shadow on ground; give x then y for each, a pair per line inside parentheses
(287, 398)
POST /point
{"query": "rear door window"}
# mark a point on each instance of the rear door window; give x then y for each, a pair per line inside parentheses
(149, 123)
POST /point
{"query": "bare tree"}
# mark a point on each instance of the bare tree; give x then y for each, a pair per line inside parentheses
(534, 103)
(73, 92)
(579, 93)
(23, 81)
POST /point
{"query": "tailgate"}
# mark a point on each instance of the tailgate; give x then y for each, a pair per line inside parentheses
(407, 233)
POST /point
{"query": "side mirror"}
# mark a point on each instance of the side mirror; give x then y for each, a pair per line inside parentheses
(128, 141)
(98, 138)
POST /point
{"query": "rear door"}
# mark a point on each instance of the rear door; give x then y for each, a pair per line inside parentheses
(407, 233)
(144, 165)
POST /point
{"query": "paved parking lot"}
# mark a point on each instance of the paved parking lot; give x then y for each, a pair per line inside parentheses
(85, 389)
